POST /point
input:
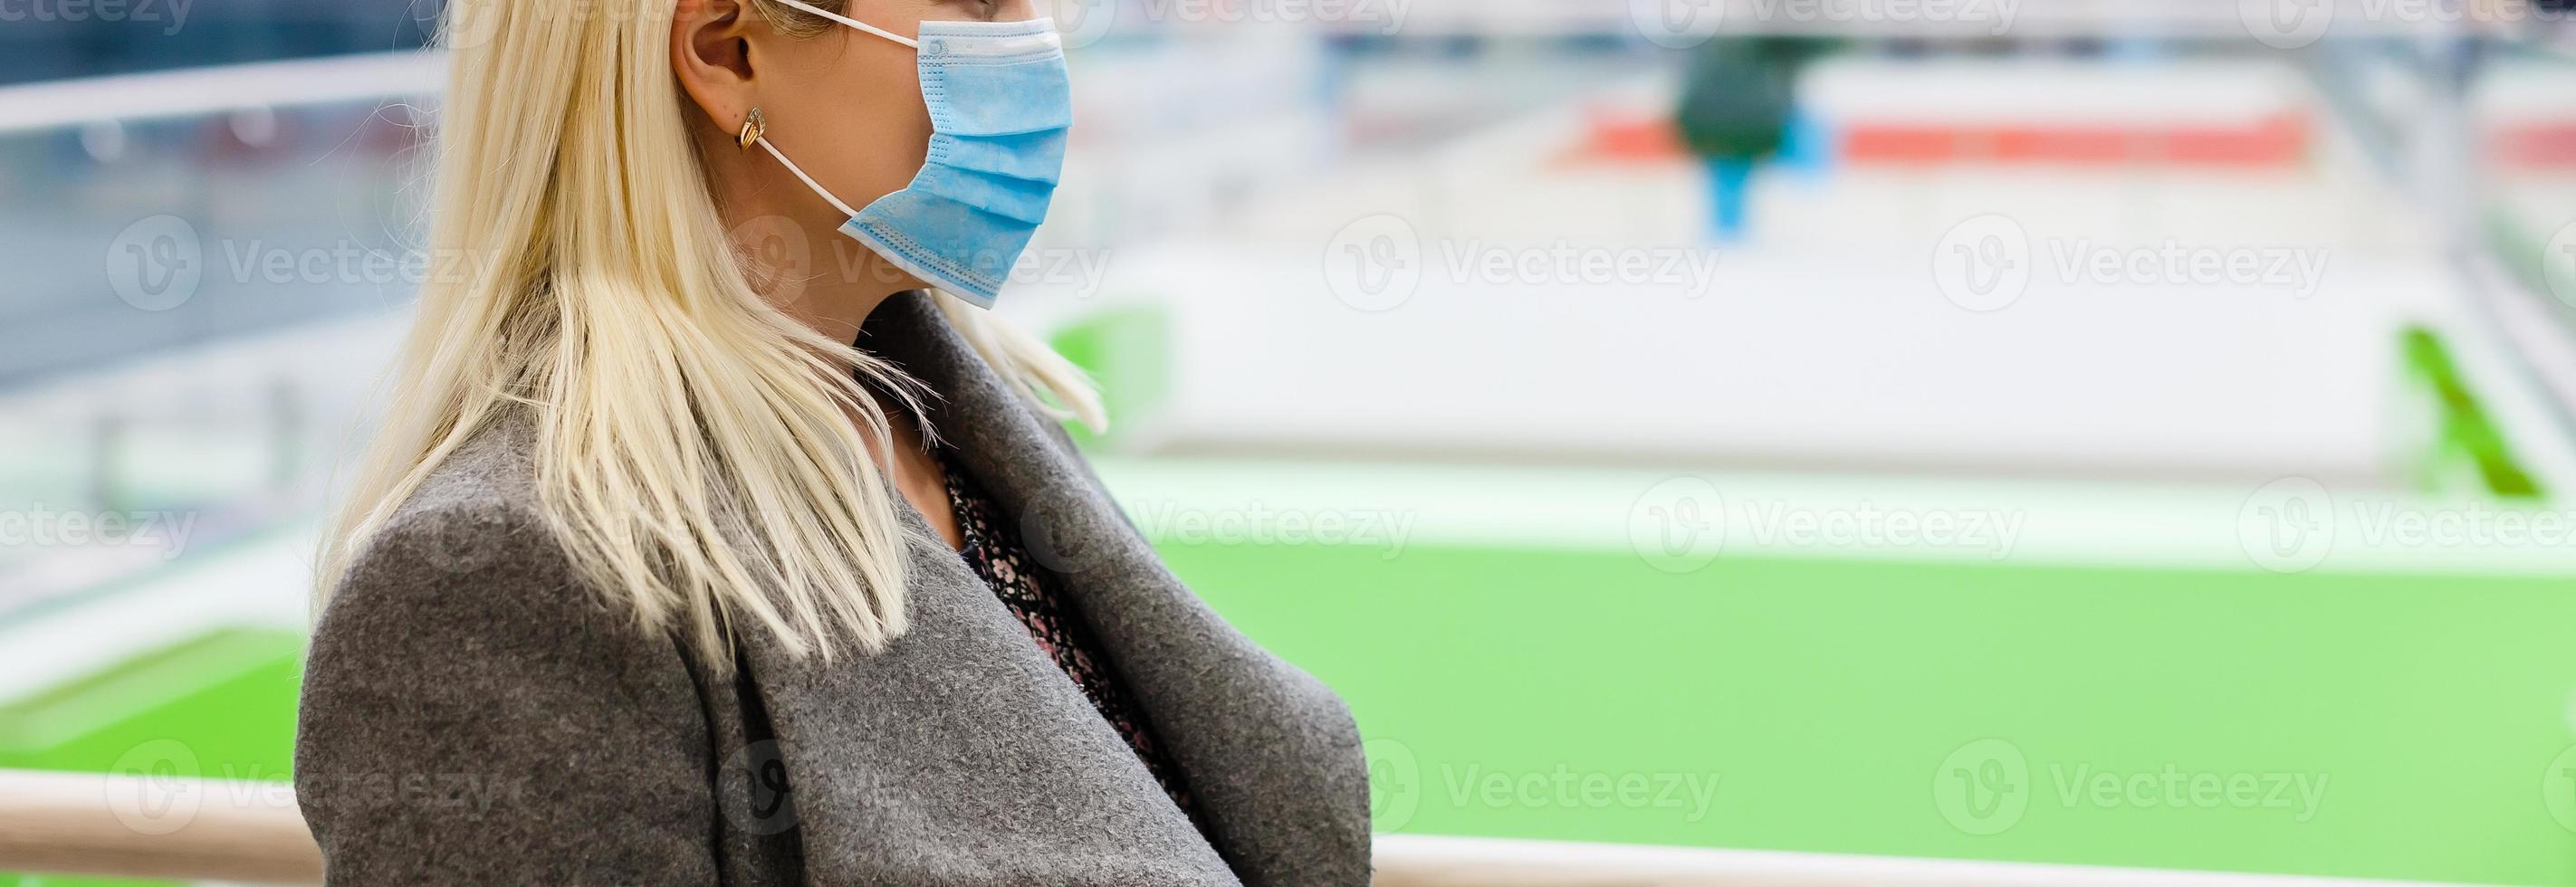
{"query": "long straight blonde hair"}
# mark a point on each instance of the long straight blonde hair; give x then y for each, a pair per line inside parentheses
(695, 454)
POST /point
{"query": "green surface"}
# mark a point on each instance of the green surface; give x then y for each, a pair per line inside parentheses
(1797, 704)
(226, 699)
(220, 706)
(1838, 702)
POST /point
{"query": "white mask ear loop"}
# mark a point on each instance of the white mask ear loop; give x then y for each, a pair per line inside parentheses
(855, 23)
(763, 142)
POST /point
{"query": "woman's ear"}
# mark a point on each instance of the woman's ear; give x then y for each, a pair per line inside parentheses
(711, 54)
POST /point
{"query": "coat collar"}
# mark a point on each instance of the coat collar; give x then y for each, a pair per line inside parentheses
(1271, 755)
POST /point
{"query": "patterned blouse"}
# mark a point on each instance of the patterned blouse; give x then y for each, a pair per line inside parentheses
(993, 549)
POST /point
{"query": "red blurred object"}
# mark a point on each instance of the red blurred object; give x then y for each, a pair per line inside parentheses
(2279, 140)
(2540, 146)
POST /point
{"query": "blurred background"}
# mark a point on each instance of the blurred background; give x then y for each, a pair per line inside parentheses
(2121, 433)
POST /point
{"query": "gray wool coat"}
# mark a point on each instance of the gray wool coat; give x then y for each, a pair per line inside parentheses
(474, 715)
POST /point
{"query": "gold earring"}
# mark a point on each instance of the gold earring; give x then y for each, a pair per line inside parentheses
(752, 127)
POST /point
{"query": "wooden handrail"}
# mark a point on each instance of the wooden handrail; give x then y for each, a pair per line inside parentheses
(193, 829)
(154, 827)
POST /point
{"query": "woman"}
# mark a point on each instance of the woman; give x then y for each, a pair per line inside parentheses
(686, 559)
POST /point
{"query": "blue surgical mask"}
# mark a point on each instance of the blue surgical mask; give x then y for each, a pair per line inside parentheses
(999, 106)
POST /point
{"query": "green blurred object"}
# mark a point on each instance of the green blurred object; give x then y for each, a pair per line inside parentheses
(219, 706)
(2467, 430)
(1739, 92)
(1128, 353)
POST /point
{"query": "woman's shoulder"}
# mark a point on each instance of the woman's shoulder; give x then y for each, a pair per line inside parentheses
(468, 543)
(486, 481)
(462, 686)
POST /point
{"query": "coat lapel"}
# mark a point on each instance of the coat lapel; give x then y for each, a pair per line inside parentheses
(1271, 755)
(959, 755)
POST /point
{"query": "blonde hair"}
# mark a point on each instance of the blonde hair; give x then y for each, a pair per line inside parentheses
(695, 454)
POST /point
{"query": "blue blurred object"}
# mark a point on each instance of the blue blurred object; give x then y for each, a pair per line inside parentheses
(1808, 145)
(155, 35)
(1728, 180)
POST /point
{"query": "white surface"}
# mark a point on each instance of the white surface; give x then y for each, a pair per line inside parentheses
(1793, 363)
(1827, 341)
(228, 88)
(259, 583)
(2053, 92)
(2210, 19)
(1389, 508)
